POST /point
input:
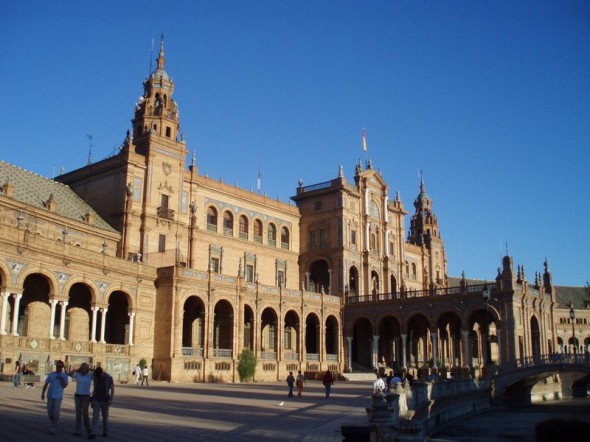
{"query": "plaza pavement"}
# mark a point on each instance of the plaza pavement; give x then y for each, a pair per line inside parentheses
(208, 412)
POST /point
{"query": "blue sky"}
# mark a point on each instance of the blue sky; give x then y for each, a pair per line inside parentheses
(490, 99)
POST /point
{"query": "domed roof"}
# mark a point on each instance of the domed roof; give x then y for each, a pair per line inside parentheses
(160, 74)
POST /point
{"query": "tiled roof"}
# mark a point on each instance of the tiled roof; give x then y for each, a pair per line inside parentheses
(35, 190)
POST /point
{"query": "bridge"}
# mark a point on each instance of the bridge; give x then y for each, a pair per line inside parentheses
(527, 372)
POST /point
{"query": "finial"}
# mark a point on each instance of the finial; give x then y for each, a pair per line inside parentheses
(194, 158)
(340, 172)
(161, 54)
(422, 187)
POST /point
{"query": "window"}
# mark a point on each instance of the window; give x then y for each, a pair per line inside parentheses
(215, 265)
(258, 231)
(243, 227)
(184, 202)
(353, 237)
(323, 239)
(285, 238)
(168, 132)
(212, 219)
(272, 235)
(280, 278)
(414, 270)
(288, 338)
(373, 242)
(136, 189)
(164, 202)
(249, 273)
(162, 243)
(228, 224)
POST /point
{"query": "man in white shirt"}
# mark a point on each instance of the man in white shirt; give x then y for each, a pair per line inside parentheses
(145, 376)
(137, 373)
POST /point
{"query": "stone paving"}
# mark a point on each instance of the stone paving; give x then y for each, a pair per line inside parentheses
(211, 412)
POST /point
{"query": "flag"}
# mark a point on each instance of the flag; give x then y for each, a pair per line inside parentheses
(364, 142)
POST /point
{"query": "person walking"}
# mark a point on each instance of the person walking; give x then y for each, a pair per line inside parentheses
(102, 398)
(83, 379)
(145, 374)
(55, 384)
(299, 381)
(137, 373)
(328, 381)
(16, 377)
(290, 383)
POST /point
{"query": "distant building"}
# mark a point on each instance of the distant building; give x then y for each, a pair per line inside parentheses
(139, 257)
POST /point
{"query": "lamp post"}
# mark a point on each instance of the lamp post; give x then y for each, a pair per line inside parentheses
(486, 296)
(573, 317)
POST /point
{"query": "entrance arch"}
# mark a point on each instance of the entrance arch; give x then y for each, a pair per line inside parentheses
(319, 277)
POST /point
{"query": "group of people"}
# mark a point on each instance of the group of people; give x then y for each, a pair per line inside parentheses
(142, 374)
(19, 369)
(299, 381)
(92, 388)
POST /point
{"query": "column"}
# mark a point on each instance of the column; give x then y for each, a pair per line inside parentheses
(93, 328)
(103, 322)
(434, 349)
(17, 298)
(329, 282)
(466, 357)
(62, 322)
(499, 335)
(307, 280)
(404, 346)
(375, 351)
(349, 344)
(131, 322)
(5, 296)
(53, 305)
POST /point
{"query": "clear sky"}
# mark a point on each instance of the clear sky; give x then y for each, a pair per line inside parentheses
(490, 99)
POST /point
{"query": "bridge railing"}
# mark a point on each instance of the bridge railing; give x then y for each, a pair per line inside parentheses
(555, 359)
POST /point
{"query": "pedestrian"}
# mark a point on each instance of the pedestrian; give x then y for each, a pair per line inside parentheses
(388, 380)
(83, 379)
(299, 382)
(55, 383)
(145, 373)
(290, 383)
(137, 373)
(16, 377)
(102, 398)
(328, 381)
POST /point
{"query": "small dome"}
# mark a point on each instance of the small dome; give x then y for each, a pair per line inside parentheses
(160, 74)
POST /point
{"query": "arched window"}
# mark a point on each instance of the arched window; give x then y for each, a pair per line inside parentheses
(243, 227)
(212, 219)
(414, 270)
(284, 238)
(374, 209)
(373, 242)
(228, 224)
(258, 231)
(272, 235)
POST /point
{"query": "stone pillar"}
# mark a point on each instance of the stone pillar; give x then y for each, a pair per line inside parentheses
(375, 351)
(5, 296)
(17, 298)
(93, 327)
(404, 347)
(349, 344)
(103, 323)
(53, 303)
(434, 349)
(499, 336)
(307, 280)
(329, 291)
(466, 356)
(131, 325)
(62, 322)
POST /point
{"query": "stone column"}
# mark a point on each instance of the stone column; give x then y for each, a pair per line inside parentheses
(93, 327)
(466, 357)
(17, 298)
(349, 344)
(5, 296)
(62, 322)
(307, 280)
(131, 324)
(375, 351)
(103, 323)
(404, 347)
(53, 303)
(434, 349)
(499, 336)
(329, 291)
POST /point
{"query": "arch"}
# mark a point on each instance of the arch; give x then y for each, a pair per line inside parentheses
(535, 337)
(374, 282)
(258, 231)
(389, 341)
(375, 213)
(353, 281)
(319, 277)
(212, 219)
(243, 227)
(272, 235)
(80, 296)
(418, 340)
(393, 284)
(269, 333)
(36, 289)
(448, 327)
(362, 344)
(285, 238)
(248, 328)
(291, 343)
(228, 223)
(312, 335)
(223, 328)
(117, 321)
(331, 338)
(193, 326)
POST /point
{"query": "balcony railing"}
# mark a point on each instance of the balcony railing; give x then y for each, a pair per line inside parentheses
(222, 353)
(268, 355)
(312, 357)
(194, 352)
(291, 356)
(164, 212)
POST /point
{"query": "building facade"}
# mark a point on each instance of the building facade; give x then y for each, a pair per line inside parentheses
(138, 256)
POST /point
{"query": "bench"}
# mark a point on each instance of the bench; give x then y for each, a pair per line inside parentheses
(30, 379)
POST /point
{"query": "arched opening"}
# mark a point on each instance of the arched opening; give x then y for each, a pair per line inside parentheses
(319, 277)
(353, 280)
(374, 282)
(248, 328)
(284, 238)
(268, 334)
(33, 319)
(228, 223)
(211, 219)
(389, 342)
(243, 227)
(393, 285)
(332, 339)
(193, 327)
(312, 337)
(223, 330)
(291, 338)
(362, 345)
(535, 337)
(117, 322)
(79, 313)
(272, 235)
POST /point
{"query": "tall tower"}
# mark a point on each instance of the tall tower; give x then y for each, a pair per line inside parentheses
(424, 232)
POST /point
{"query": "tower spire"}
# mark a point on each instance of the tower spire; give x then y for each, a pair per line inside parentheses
(161, 58)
